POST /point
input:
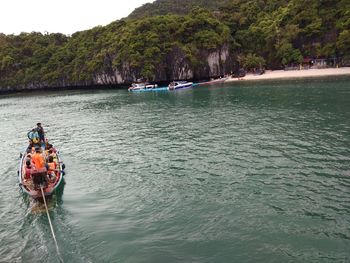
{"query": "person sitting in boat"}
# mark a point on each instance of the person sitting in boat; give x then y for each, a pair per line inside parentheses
(50, 147)
(33, 150)
(38, 159)
(51, 153)
(30, 146)
(51, 172)
(39, 171)
(41, 132)
(34, 138)
(29, 157)
(47, 144)
(28, 169)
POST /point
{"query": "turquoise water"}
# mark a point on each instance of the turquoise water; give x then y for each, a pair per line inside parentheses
(250, 172)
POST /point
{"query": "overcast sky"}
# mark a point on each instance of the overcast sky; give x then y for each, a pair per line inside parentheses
(64, 16)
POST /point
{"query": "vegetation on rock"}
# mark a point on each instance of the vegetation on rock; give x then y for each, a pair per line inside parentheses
(270, 33)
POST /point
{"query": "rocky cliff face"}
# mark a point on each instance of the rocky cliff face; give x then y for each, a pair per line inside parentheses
(219, 62)
(176, 66)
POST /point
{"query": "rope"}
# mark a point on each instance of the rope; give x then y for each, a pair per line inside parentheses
(52, 232)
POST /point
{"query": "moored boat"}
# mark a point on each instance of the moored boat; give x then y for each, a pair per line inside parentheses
(152, 90)
(50, 180)
(142, 86)
(179, 85)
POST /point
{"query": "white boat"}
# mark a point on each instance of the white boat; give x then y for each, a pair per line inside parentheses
(179, 85)
(142, 86)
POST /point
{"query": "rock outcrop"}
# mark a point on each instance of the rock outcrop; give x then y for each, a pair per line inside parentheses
(176, 66)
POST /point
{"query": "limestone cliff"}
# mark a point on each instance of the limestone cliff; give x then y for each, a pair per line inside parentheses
(177, 66)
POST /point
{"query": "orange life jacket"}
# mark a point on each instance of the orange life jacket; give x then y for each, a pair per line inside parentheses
(38, 160)
(52, 166)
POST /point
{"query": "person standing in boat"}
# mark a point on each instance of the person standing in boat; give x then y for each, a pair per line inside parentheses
(41, 132)
(40, 169)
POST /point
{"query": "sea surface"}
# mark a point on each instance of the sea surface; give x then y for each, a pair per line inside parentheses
(243, 172)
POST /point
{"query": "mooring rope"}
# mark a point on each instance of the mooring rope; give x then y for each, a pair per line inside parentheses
(48, 216)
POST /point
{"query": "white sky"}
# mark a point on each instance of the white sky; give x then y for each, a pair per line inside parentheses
(63, 16)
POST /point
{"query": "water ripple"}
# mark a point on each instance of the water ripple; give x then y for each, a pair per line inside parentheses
(245, 173)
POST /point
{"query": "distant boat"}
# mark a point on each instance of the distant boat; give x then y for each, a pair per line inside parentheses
(179, 85)
(151, 90)
(212, 81)
(27, 185)
(142, 86)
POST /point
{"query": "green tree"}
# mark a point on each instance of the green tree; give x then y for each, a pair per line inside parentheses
(252, 61)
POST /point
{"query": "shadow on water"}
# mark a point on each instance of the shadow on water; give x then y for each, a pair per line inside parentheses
(36, 206)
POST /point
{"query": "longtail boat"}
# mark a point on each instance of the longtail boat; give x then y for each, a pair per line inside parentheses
(52, 179)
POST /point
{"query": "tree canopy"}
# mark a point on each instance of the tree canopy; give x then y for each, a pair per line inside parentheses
(270, 33)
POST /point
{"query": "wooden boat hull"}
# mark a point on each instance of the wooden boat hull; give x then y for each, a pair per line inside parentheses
(27, 186)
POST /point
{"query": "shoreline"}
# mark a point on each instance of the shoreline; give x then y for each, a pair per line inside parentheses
(268, 75)
(63, 88)
(293, 74)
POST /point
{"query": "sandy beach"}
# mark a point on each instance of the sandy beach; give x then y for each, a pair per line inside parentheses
(283, 74)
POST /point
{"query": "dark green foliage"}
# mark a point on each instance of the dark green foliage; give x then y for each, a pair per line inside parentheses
(179, 7)
(270, 33)
(283, 32)
(23, 58)
(145, 44)
(252, 61)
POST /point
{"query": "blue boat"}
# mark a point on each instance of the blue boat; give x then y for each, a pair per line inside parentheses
(154, 89)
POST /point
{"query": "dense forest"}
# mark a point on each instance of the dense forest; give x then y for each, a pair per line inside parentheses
(182, 39)
(179, 7)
